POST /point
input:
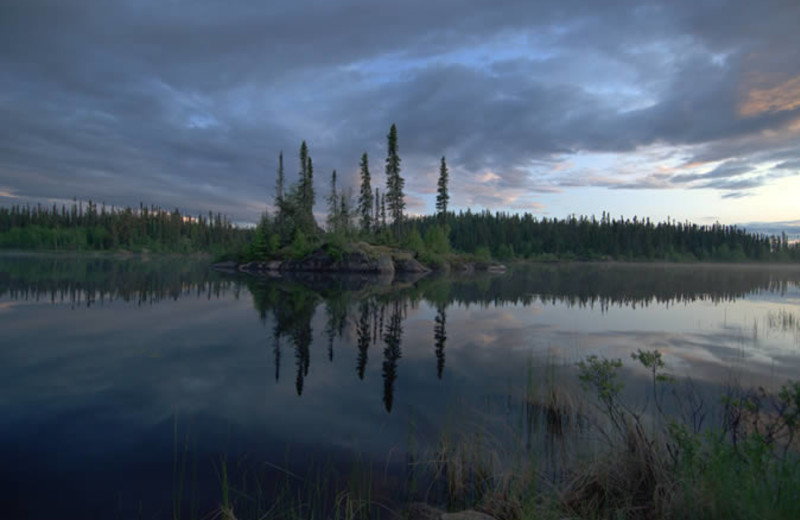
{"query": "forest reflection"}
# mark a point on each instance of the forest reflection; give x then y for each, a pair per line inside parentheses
(376, 309)
(370, 312)
(90, 280)
(93, 280)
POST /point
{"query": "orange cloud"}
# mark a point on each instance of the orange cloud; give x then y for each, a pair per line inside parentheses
(785, 96)
(489, 177)
(693, 164)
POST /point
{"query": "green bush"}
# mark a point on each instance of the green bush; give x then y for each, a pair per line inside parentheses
(301, 246)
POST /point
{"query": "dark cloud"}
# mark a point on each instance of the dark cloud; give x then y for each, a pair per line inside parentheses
(788, 165)
(736, 195)
(188, 103)
(723, 171)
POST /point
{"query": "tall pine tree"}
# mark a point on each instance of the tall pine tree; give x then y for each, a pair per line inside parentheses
(442, 196)
(306, 188)
(303, 182)
(309, 189)
(333, 206)
(279, 183)
(383, 210)
(377, 220)
(365, 197)
(395, 199)
(302, 198)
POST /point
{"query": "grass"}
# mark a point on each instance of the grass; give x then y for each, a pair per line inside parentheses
(633, 460)
(563, 452)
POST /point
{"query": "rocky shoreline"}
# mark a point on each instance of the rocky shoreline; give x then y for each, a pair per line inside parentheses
(385, 262)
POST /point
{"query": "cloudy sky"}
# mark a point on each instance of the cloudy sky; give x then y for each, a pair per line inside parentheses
(671, 108)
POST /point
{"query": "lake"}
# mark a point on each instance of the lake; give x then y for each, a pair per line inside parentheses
(142, 388)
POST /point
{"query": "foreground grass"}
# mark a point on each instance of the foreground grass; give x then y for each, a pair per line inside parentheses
(595, 454)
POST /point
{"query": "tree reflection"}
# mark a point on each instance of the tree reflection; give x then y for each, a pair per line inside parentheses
(363, 333)
(367, 310)
(392, 353)
(440, 338)
(276, 350)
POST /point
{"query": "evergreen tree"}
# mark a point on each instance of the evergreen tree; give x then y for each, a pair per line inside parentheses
(377, 219)
(303, 181)
(306, 183)
(365, 198)
(309, 189)
(333, 206)
(344, 212)
(395, 198)
(279, 183)
(383, 210)
(442, 196)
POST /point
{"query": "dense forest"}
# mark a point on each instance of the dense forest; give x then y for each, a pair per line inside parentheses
(89, 228)
(378, 217)
(508, 236)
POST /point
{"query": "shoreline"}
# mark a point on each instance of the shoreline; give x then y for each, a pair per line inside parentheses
(509, 264)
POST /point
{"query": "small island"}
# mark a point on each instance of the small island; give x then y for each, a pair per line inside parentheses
(373, 234)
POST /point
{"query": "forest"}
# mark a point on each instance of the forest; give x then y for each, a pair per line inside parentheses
(89, 228)
(378, 217)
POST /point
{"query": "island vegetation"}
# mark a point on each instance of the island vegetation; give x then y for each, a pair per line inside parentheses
(375, 223)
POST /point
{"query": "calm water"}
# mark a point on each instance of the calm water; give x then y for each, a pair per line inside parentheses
(118, 373)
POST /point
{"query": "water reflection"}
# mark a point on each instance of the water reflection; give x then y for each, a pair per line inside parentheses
(92, 280)
(373, 311)
(89, 280)
(369, 312)
(101, 354)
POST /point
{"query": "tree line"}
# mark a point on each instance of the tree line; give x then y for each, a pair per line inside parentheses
(87, 227)
(508, 236)
(379, 217)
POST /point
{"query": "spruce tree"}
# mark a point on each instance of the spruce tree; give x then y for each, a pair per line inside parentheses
(279, 183)
(302, 184)
(365, 198)
(333, 206)
(395, 198)
(306, 184)
(442, 196)
(344, 212)
(383, 210)
(377, 203)
(309, 189)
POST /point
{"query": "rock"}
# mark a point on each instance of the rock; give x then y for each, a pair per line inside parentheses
(467, 267)
(230, 265)
(409, 265)
(364, 259)
(467, 514)
(422, 511)
(385, 264)
(352, 262)
(497, 268)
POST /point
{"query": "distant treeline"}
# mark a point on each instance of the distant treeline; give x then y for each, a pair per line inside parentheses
(379, 217)
(508, 236)
(89, 228)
